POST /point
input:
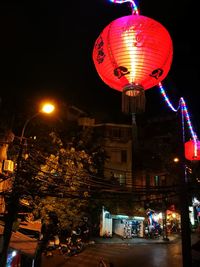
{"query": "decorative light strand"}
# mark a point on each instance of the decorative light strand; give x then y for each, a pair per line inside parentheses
(135, 10)
(167, 99)
(182, 104)
(185, 114)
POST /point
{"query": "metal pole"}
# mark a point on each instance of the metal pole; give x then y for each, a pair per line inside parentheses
(184, 205)
(25, 125)
(11, 212)
(134, 143)
(165, 233)
(13, 204)
(185, 221)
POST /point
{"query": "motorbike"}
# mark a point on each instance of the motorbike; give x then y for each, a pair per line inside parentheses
(153, 232)
(52, 245)
(73, 245)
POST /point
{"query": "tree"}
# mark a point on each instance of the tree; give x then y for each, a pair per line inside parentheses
(53, 176)
(65, 178)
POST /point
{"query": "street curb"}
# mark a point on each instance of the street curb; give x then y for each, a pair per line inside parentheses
(134, 241)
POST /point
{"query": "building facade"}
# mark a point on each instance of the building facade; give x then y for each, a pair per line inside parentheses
(148, 173)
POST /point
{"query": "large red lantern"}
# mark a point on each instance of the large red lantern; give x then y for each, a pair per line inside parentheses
(192, 151)
(132, 54)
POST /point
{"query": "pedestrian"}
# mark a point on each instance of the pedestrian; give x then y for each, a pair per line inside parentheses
(85, 232)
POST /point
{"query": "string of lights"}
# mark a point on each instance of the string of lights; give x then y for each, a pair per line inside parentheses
(184, 110)
(181, 105)
(135, 9)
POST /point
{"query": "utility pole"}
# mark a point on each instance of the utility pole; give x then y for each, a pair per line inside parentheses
(12, 211)
(185, 220)
(13, 204)
(14, 200)
(133, 102)
(184, 204)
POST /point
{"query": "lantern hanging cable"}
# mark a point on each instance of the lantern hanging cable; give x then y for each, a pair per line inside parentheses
(185, 115)
(125, 59)
(133, 96)
(134, 7)
(182, 104)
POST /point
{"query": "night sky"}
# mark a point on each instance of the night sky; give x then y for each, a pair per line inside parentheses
(46, 50)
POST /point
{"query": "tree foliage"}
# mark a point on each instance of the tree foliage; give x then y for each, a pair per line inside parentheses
(56, 177)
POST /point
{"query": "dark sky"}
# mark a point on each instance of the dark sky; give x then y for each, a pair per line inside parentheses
(46, 49)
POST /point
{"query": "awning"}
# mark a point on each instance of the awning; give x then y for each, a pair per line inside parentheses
(33, 225)
(26, 245)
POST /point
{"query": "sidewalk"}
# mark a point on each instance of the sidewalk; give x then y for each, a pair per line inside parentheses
(136, 240)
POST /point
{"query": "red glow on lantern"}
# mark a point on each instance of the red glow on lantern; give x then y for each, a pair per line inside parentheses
(133, 50)
(192, 152)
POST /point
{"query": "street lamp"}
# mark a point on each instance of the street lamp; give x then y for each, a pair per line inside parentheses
(176, 159)
(15, 195)
(46, 108)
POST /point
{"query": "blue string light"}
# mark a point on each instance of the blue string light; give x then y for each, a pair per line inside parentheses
(134, 6)
(185, 114)
(182, 104)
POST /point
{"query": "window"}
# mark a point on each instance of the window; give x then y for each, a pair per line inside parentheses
(115, 156)
(147, 180)
(123, 156)
(118, 156)
(160, 180)
(156, 180)
(121, 178)
(163, 180)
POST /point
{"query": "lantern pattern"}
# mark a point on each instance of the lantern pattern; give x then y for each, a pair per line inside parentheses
(133, 51)
(192, 151)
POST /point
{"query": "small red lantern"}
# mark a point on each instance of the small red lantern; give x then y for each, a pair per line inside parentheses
(192, 151)
(132, 54)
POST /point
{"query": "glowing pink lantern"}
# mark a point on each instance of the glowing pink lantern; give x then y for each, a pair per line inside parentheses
(132, 54)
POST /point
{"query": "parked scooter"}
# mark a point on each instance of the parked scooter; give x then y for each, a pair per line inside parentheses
(73, 245)
(153, 232)
(53, 244)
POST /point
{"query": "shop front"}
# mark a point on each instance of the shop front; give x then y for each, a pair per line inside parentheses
(173, 222)
(121, 225)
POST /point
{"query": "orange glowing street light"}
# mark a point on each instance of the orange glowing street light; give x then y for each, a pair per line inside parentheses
(45, 108)
(48, 108)
(176, 159)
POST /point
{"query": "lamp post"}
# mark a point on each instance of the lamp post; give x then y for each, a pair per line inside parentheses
(14, 200)
(46, 108)
(184, 200)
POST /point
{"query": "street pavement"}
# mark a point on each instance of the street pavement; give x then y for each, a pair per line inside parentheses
(135, 252)
(119, 240)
